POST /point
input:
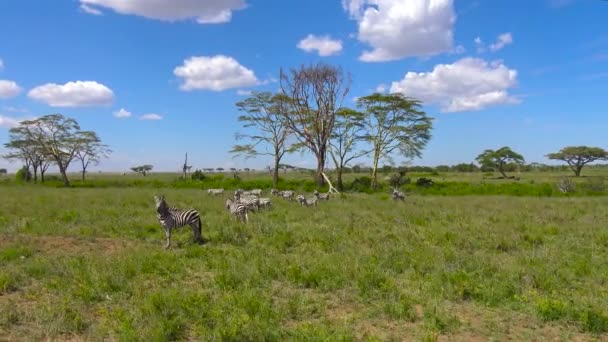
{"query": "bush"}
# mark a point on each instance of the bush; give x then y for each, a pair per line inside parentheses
(424, 182)
(361, 184)
(23, 175)
(198, 175)
(398, 179)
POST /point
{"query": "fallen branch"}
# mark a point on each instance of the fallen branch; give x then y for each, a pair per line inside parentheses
(331, 187)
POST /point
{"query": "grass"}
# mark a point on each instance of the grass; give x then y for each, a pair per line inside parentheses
(89, 264)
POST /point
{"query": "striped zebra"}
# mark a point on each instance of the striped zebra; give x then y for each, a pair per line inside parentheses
(256, 192)
(398, 195)
(311, 201)
(252, 202)
(288, 194)
(321, 196)
(173, 218)
(265, 202)
(237, 209)
(276, 192)
(215, 191)
(301, 199)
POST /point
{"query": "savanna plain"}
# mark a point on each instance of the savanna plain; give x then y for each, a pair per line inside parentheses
(88, 264)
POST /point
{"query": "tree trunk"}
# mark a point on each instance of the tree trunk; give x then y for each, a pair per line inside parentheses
(577, 171)
(339, 181)
(375, 170)
(35, 166)
(320, 168)
(84, 171)
(502, 172)
(64, 176)
(275, 172)
(42, 171)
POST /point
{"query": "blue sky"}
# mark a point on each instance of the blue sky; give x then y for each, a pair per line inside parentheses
(532, 75)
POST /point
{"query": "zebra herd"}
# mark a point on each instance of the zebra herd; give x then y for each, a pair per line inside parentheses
(240, 205)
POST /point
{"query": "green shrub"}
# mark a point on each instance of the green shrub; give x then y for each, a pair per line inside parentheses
(23, 175)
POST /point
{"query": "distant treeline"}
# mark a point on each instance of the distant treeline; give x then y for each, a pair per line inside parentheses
(471, 167)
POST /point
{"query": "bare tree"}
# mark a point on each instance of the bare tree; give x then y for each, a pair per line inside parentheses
(90, 150)
(263, 113)
(314, 94)
(348, 131)
(186, 167)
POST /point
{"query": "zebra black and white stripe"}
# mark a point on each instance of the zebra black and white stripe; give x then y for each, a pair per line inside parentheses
(301, 199)
(398, 195)
(172, 218)
(237, 209)
(252, 202)
(321, 196)
(288, 194)
(264, 202)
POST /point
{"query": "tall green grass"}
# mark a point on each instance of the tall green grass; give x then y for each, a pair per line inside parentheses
(90, 263)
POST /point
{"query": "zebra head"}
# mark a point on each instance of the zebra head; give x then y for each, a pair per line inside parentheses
(161, 205)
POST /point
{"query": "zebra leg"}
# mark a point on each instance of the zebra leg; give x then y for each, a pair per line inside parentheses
(197, 231)
(168, 236)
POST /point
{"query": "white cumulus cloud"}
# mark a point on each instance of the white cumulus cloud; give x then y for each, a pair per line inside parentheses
(467, 85)
(9, 89)
(73, 94)
(122, 113)
(204, 11)
(396, 29)
(214, 73)
(90, 10)
(502, 41)
(151, 117)
(243, 92)
(323, 45)
(8, 122)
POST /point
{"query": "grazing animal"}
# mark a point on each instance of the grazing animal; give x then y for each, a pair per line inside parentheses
(172, 218)
(288, 194)
(311, 201)
(252, 202)
(265, 202)
(301, 199)
(321, 196)
(398, 195)
(256, 192)
(215, 191)
(237, 209)
(276, 192)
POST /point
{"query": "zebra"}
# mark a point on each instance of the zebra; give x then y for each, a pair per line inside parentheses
(276, 192)
(323, 196)
(301, 199)
(215, 191)
(252, 202)
(398, 195)
(237, 209)
(288, 194)
(256, 192)
(264, 202)
(173, 218)
(312, 201)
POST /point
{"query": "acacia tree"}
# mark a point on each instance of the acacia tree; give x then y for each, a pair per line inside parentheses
(314, 94)
(348, 131)
(499, 159)
(263, 113)
(58, 137)
(394, 122)
(143, 169)
(91, 150)
(579, 156)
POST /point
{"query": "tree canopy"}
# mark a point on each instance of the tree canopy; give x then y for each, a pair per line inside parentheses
(394, 123)
(314, 94)
(263, 114)
(579, 156)
(499, 159)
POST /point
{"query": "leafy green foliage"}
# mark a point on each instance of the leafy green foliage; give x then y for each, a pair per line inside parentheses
(579, 156)
(499, 159)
